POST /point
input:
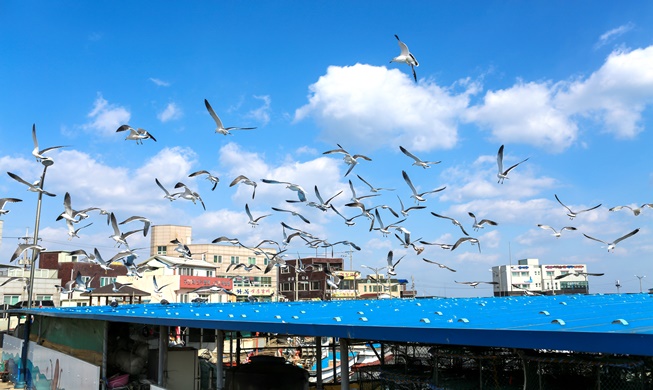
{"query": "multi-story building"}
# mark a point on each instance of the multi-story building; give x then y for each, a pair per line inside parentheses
(249, 280)
(66, 267)
(378, 286)
(528, 276)
(312, 284)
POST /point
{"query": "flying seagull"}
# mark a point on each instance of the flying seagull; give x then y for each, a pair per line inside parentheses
(419, 197)
(34, 187)
(572, 214)
(137, 135)
(324, 206)
(348, 221)
(585, 274)
(219, 126)
(454, 221)
(350, 160)
(38, 153)
(392, 265)
(182, 248)
(502, 175)
(473, 241)
(439, 264)
(119, 237)
(556, 233)
(406, 57)
(157, 289)
(4, 201)
(23, 247)
(611, 245)
(209, 177)
(635, 210)
(72, 232)
(167, 195)
(244, 180)
(301, 193)
(474, 284)
(254, 221)
(296, 214)
(146, 223)
(190, 194)
(479, 224)
(419, 162)
(372, 188)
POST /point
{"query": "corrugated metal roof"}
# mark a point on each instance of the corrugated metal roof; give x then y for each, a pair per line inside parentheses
(616, 323)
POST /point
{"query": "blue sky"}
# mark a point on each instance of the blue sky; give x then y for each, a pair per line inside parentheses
(568, 85)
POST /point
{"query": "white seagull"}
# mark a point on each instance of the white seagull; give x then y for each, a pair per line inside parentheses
(439, 264)
(572, 214)
(372, 188)
(146, 223)
(406, 57)
(34, 187)
(473, 241)
(244, 180)
(348, 221)
(479, 224)
(419, 162)
(182, 248)
(4, 201)
(189, 194)
(254, 221)
(350, 160)
(213, 179)
(23, 247)
(137, 135)
(405, 211)
(219, 126)
(38, 153)
(301, 193)
(611, 245)
(555, 232)
(119, 237)
(72, 232)
(157, 289)
(296, 214)
(474, 284)
(454, 221)
(167, 195)
(419, 197)
(502, 175)
(635, 210)
(392, 265)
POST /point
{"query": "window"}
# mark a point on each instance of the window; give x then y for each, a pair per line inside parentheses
(186, 271)
(44, 297)
(85, 279)
(316, 285)
(183, 298)
(209, 274)
(266, 281)
(11, 299)
(285, 270)
(524, 274)
(285, 287)
(217, 258)
(235, 259)
(549, 273)
(364, 288)
(105, 280)
(161, 250)
(515, 274)
(317, 267)
(251, 260)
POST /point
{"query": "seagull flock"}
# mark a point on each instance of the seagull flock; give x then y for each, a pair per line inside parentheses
(359, 207)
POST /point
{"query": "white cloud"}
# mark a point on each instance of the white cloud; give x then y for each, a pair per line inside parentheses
(159, 82)
(610, 35)
(374, 107)
(262, 114)
(171, 112)
(525, 113)
(616, 94)
(105, 117)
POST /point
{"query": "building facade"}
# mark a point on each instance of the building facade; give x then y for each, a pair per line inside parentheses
(311, 284)
(528, 276)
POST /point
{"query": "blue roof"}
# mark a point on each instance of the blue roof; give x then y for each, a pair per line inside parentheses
(615, 323)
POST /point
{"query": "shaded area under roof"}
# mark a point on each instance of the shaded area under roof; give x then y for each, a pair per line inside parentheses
(616, 323)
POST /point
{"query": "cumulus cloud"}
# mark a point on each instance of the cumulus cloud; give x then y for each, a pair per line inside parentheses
(171, 112)
(616, 94)
(105, 117)
(374, 107)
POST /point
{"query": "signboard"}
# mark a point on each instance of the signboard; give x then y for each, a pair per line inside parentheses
(253, 291)
(343, 293)
(193, 282)
(348, 275)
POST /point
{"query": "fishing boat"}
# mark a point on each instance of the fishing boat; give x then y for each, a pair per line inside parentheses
(327, 363)
(369, 355)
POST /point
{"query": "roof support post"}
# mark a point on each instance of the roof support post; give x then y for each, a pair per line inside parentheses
(318, 359)
(344, 364)
(219, 367)
(163, 356)
(105, 355)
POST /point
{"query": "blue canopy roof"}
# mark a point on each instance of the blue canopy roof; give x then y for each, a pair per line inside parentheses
(615, 323)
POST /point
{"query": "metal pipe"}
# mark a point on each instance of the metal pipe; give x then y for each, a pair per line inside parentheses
(163, 355)
(105, 354)
(318, 360)
(344, 364)
(219, 367)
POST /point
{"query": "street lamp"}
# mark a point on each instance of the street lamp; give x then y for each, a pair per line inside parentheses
(640, 282)
(35, 252)
(376, 274)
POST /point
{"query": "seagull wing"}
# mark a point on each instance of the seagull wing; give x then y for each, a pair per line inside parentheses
(595, 239)
(215, 117)
(563, 205)
(500, 159)
(626, 236)
(407, 180)
(409, 154)
(403, 47)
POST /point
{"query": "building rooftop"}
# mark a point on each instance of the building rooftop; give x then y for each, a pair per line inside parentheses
(615, 323)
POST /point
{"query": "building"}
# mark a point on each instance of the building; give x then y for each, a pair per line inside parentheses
(67, 266)
(312, 284)
(250, 281)
(378, 286)
(14, 281)
(528, 276)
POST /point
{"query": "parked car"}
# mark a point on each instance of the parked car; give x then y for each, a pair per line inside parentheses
(35, 304)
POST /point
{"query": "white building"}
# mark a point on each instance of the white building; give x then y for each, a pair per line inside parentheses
(528, 276)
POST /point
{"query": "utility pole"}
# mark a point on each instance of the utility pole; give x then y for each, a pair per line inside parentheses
(640, 282)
